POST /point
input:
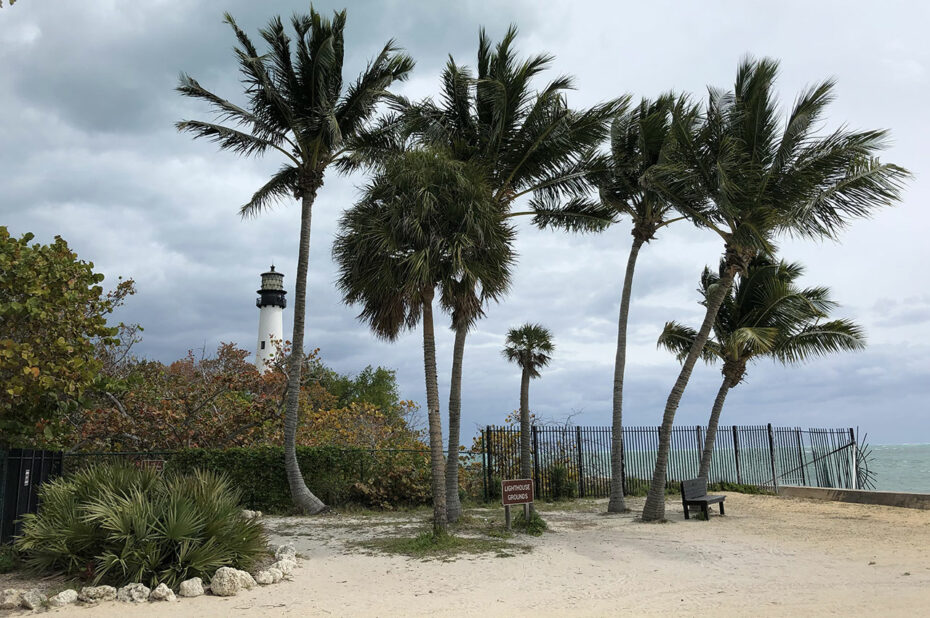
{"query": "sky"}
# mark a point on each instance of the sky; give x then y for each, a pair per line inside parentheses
(88, 151)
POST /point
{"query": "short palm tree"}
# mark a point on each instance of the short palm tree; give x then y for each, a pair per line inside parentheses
(528, 142)
(749, 177)
(530, 347)
(297, 107)
(639, 139)
(425, 222)
(765, 315)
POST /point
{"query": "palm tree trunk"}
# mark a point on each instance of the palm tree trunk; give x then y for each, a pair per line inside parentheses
(712, 427)
(435, 422)
(453, 504)
(655, 500)
(526, 461)
(303, 498)
(616, 504)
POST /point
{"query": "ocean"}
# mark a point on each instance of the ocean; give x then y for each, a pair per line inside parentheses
(901, 467)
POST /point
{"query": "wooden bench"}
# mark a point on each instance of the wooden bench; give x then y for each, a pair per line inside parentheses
(694, 492)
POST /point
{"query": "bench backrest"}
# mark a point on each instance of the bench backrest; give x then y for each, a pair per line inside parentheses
(695, 488)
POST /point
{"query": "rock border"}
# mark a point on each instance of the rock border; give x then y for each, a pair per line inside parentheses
(231, 582)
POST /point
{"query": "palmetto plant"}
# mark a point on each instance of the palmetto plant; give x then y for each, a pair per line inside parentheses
(640, 138)
(118, 524)
(297, 107)
(527, 142)
(743, 173)
(530, 347)
(764, 315)
(425, 222)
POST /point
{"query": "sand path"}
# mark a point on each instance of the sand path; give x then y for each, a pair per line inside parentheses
(768, 556)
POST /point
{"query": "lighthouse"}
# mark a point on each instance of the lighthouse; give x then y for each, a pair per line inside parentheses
(270, 303)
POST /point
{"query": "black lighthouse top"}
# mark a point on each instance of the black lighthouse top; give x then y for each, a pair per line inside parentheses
(272, 292)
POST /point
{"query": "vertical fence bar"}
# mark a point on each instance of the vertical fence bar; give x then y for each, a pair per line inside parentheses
(855, 459)
(580, 463)
(772, 456)
(797, 432)
(739, 477)
(536, 459)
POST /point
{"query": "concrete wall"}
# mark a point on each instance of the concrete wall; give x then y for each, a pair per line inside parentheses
(885, 498)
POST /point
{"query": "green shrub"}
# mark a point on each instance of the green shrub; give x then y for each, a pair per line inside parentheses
(562, 485)
(382, 479)
(118, 524)
(8, 558)
(535, 526)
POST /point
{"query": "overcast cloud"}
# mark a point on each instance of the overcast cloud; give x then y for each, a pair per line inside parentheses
(88, 151)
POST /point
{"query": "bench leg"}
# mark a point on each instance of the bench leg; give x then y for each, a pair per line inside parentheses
(705, 511)
(721, 508)
(687, 513)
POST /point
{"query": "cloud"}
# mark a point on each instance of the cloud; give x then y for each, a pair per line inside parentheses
(90, 153)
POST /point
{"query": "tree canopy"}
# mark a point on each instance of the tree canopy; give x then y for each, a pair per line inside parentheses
(53, 311)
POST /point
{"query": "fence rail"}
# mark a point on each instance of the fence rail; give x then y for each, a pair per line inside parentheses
(569, 460)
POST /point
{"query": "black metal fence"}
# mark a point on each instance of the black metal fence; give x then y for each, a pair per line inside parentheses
(21, 473)
(576, 460)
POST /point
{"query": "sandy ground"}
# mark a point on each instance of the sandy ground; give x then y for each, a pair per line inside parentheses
(768, 556)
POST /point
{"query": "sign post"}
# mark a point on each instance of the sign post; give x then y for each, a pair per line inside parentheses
(516, 491)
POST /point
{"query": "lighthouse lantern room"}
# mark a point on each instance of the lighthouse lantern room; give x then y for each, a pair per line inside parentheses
(271, 303)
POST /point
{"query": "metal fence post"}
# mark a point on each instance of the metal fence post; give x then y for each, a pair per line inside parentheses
(854, 456)
(772, 457)
(797, 432)
(739, 476)
(622, 463)
(536, 478)
(580, 463)
(489, 474)
(700, 446)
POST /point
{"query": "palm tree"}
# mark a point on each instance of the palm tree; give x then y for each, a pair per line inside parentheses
(765, 314)
(748, 177)
(297, 107)
(424, 222)
(529, 346)
(528, 143)
(639, 139)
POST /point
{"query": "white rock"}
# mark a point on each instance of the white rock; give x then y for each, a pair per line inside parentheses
(276, 574)
(162, 593)
(247, 514)
(285, 551)
(65, 597)
(285, 565)
(34, 599)
(192, 587)
(245, 580)
(11, 598)
(258, 514)
(264, 578)
(133, 593)
(226, 582)
(95, 594)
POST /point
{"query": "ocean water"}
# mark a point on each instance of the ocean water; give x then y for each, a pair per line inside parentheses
(901, 467)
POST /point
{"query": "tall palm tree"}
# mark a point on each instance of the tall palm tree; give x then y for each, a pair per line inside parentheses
(425, 222)
(639, 139)
(528, 142)
(765, 314)
(296, 106)
(749, 177)
(530, 347)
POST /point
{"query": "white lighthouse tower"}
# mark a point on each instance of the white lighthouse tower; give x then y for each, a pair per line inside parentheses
(270, 303)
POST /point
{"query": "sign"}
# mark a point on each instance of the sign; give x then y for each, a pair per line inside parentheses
(517, 491)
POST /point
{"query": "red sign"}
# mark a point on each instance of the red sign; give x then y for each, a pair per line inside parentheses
(517, 491)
